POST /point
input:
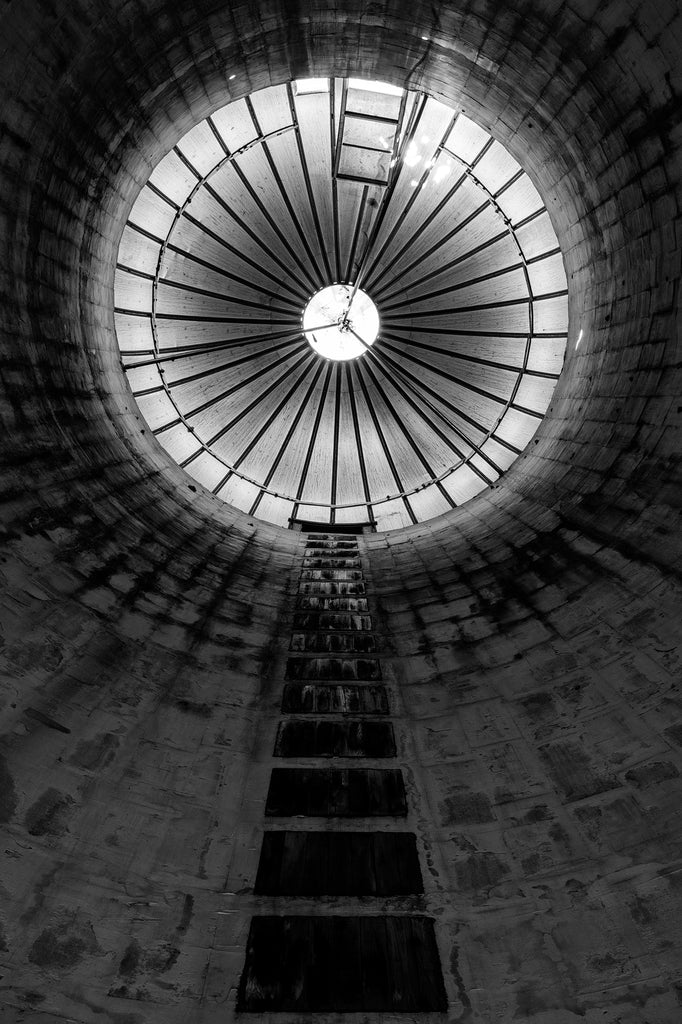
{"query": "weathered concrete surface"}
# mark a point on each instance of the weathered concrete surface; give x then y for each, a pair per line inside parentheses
(535, 631)
(547, 774)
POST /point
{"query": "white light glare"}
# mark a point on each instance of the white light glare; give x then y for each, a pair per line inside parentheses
(580, 338)
(308, 85)
(360, 83)
(339, 324)
(413, 156)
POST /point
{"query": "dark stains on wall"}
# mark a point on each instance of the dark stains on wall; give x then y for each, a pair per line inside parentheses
(535, 998)
(540, 812)
(575, 773)
(192, 707)
(459, 982)
(49, 950)
(674, 732)
(96, 753)
(45, 654)
(157, 960)
(40, 716)
(622, 824)
(538, 704)
(47, 816)
(466, 807)
(130, 960)
(651, 774)
(41, 888)
(187, 911)
(8, 796)
(65, 945)
(642, 911)
(161, 958)
(480, 871)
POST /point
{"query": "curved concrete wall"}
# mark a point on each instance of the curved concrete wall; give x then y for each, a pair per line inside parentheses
(534, 631)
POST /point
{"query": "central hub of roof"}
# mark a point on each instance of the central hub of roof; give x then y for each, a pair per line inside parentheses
(340, 322)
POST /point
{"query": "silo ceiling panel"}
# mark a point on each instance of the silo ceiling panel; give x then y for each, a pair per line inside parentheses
(208, 470)
(349, 466)
(274, 429)
(317, 485)
(173, 178)
(453, 235)
(250, 215)
(293, 448)
(467, 140)
(134, 333)
(246, 421)
(274, 509)
(234, 126)
(536, 236)
(352, 514)
(239, 492)
(355, 204)
(138, 252)
(430, 502)
(496, 453)
(179, 443)
(152, 213)
(409, 465)
(546, 355)
(201, 148)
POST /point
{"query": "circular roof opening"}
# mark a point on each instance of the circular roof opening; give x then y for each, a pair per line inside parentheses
(341, 322)
(292, 407)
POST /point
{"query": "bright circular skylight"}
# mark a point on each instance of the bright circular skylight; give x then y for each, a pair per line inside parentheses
(341, 322)
(257, 362)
